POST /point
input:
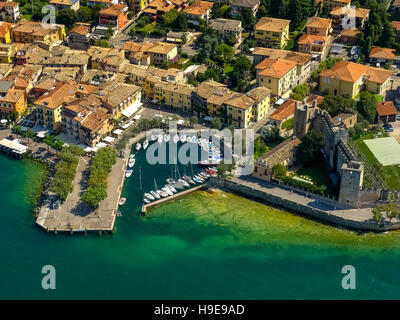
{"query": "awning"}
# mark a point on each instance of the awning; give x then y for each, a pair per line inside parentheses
(109, 139)
(180, 122)
(3, 120)
(137, 117)
(207, 118)
(118, 132)
(128, 112)
(101, 145)
(280, 101)
(127, 125)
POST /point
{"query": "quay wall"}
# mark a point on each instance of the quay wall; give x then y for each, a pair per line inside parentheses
(327, 216)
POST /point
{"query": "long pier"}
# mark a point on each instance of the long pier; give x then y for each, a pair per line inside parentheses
(173, 197)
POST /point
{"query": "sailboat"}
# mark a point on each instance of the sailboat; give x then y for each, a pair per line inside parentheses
(181, 181)
(170, 187)
(145, 144)
(155, 194)
(131, 162)
(138, 146)
(149, 196)
(167, 190)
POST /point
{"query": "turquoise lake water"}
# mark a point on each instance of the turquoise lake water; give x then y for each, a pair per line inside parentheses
(208, 245)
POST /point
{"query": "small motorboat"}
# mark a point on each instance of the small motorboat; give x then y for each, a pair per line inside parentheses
(118, 213)
(198, 180)
(166, 138)
(167, 190)
(146, 200)
(155, 194)
(170, 187)
(122, 201)
(131, 162)
(183, 182)
(149, 196)
(153, 137)
(138, 146)
(193, 140)
(160, 138)
(183, 138)
(188, 179)
(162, 193)
(145, 144)
(175, 139)
(128, 173)
(132, 156)
(175, 184)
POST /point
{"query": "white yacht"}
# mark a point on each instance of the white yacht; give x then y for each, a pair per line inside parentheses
(138, 146)
(145, 144)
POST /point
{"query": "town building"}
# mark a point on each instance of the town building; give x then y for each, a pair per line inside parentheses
(175, 95)
(5, 32)
(155, 53)
(350, 36)
(380, 56)
(315, 45)
(112, 19)
(78, 37)
(104, 3)
(302, 60)
(396, 27)
(340, 18)
(239, 5)
(350, 78)
(278, 75)
(12, 101)
(272, 32)
(65, 4)
(319, 26)
(155, 9)
(330, 4)
(9, 11)
(386, 112)
(198, 10)
(28, 32)
(227, 30)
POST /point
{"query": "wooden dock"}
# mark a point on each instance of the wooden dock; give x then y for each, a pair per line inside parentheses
(173, 197)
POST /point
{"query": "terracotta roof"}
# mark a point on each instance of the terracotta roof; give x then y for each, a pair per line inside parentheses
(13, 95)
(315, 97)
(62, 2)
(316, 22)
(345, 70)
(240, 101)
(259, 93)
(199, 8)
(114, 10)
(284, 111)
(382, 53)
(275, 68)
(80, 29)
(225, 24)
(354, 32)
(95, 120)
(310, 39)
(272, 24)
(378, 75)
(57, 96)
(154, 47)
(34, 28)
(298, 57)
(344, 11)
(245, 3)
(386, 108)
(396, 25)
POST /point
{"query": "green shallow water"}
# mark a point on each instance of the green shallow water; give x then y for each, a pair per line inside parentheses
(204, 246)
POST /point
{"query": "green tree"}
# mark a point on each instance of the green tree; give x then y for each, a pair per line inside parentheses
(310, 146)
(180, 23)
(169, 17)
(279, 171)
(269, 132)
(337, 104)
(300, 91)
(224, 53)
(29, 134)
(216, 123)
(84, 14)
(377, 214)
(367, 106)
(241, 73)
(67, 17)
(248, 20)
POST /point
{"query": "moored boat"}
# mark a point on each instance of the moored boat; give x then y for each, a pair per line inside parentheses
(166, 138)
(176, 138)
(122, 201)
(149, 196)
(146, 200)
(160, 138)
(155, 194)
(138, 146)
(167, 190)
(128, 173)
(183, 138)
(145, 144)
(170, 187)
(131, 162)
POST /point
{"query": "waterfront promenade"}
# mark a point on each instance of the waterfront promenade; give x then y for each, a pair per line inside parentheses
(306, 203)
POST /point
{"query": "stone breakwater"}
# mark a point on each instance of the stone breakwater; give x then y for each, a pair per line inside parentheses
(328, 211)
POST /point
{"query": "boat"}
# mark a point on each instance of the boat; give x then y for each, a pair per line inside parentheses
(132, 156)
(167, 190)
(188, 179)
(170, 187)
(138, 146)
(198, 180)
(183, 182)
(131, 163)
(162, 193)
(188, 139)
(149, 196)
(176, 138)
(153, 137)
(128, 173)
(118, 213)
(122, 201)
(166, 138)
(193, 140)
(146, 200)
(145, 144)
(155, 194)
(160, 138)
(183, 138)
(175, 184)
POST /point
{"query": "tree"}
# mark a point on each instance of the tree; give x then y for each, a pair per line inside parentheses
(224, 53)
(84, 14)
(180, 23)
(224, 169)
(241, 72)
(310, 146)
(208, 44)
(300, 92)
(247, 18)
(193, 120)
(295, 13)
(29, 134)
(269, 132)
(367, 106)
(377, 214)
(169, 17)
(67, 17)
(216, 123)
(337, 104)
(279, 171)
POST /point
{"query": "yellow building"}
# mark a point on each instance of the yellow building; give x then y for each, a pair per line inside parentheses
(13, 101)
(278, 75)
(272, 32)
(5, 32)
(137, 5)
(349, 78)
(261, 97)
(28, 31)
(49, 105)
(6, 51)
(175, 95)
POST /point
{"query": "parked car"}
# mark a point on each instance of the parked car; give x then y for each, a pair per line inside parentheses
(397, 117)
(388, 127)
